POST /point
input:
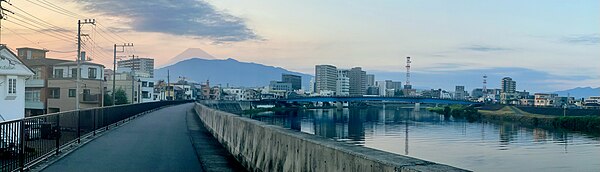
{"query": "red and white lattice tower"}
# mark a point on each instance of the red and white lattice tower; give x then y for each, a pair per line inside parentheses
(485, 86)
(407, 71)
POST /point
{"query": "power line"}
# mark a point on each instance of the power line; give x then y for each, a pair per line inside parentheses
(43, 21)
(38, 31)
(58, 33)
(56, 11)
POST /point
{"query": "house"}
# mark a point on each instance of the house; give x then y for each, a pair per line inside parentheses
(13, 75)
(62, 87)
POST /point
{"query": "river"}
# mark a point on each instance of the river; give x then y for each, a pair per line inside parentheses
(478, 146)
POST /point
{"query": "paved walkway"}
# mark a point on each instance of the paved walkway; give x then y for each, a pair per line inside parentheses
(158, 141)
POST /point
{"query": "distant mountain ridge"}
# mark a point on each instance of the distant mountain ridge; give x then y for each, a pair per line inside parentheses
(188, 54)
(580, 92)
(228, 71)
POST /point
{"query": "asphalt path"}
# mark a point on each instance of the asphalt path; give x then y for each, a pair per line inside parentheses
(157, 141)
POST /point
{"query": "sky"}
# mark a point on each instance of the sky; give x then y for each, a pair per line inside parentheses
(557, 38)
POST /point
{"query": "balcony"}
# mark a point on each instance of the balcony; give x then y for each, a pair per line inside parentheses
(34, 83)
(89, 98)
(34, 105)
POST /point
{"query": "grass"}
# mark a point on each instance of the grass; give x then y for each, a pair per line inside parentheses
(575, 123)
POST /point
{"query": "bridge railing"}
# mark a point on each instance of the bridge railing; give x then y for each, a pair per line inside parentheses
(25, 142)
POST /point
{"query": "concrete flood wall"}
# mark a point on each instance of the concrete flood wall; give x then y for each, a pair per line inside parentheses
(261, 147)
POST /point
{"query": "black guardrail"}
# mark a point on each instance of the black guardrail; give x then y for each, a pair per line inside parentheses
(24, 142)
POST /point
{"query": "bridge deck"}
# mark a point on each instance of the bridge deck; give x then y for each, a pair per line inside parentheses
(158, 141)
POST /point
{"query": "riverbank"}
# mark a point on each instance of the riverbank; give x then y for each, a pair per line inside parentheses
(575, 123)
(590, 124)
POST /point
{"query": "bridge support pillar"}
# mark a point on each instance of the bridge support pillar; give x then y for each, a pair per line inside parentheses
(417, 107)
(339, 105)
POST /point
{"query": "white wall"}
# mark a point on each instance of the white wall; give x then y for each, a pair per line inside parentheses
(15, 108)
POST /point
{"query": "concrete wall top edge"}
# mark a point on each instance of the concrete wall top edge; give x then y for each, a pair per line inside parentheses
(391, 159)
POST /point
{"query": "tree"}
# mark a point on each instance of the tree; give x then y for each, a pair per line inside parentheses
(108, 101)
(120, 97)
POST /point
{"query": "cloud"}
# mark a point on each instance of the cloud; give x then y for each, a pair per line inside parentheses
(484, 48)
(196, 18)
(587, 39)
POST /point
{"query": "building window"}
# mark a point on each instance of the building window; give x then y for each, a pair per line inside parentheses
(74, 73)
(144, 84)
(37, 73)
(54, 93)
(58, 73)
(12, 86)
(72, 92)
(86, 91)
(150, 84)
(92, 73)
(32, 96)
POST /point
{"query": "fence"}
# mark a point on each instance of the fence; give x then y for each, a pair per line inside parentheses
(24, 142)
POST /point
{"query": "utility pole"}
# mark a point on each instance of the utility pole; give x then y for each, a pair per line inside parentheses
(115, 66)
(79, 23)
(133, 80)
(168, 84)
(3, 15)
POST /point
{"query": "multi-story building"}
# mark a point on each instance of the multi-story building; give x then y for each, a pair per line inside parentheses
(295, 80)
(544, 99)
(280, 86)
(143, 67)
(370, 80)
(53, 87)
(508, 85)
(342, 87)
(36, 88)
(13, 76)
(62, 88)
(508, 93)
(325, 78)
(358, 81)
(460, 93)
(124, 81)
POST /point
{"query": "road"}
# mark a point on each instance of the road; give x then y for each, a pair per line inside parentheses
(157, 141)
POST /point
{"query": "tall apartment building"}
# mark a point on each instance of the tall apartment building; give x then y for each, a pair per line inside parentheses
(370, 80)
(325, 78)
(460, 93)
(143, 67)
(358, 81)
(342, 87)
(508, 92)
(295, 80)
(508, 85)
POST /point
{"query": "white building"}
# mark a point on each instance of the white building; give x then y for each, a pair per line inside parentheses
(342, 87)
(146, 88)
(143, 67)
(13, 74)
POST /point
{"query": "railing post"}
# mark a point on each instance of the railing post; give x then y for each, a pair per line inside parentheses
(57, 133)
(22, 146)
(78, 126)
(94, 121)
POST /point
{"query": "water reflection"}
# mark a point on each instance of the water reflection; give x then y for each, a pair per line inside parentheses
(479, 146)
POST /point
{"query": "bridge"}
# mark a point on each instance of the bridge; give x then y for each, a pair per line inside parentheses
(381, 99)
(179, 136)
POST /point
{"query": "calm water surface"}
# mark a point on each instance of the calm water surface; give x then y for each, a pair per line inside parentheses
(478, 146)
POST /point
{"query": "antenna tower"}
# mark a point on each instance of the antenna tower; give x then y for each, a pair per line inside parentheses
(407, 71)
(485, 86)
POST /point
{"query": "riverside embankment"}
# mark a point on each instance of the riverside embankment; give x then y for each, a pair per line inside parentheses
(261, 147)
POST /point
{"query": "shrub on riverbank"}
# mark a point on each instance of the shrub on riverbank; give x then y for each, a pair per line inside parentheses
(583, 123)
(458, 111)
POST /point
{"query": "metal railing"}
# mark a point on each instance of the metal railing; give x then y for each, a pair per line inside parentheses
(25, 142)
